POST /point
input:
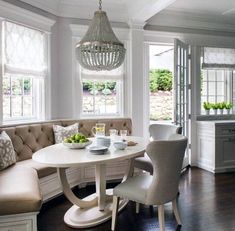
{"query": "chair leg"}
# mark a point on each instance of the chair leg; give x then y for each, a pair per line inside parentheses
(115, 211)
(176, 211)
(137, 207)
(161, 218)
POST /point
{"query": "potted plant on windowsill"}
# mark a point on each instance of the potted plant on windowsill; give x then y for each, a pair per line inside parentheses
(207, 107)
(228, 107)
(221, 107)
(215, 107)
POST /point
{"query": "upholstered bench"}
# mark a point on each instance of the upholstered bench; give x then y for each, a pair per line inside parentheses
(20, 184)
(19, 194)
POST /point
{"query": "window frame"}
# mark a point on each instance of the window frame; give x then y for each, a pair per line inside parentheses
(126, 108)
(229, 78)
(120, 102)
(35, 21)
(39, 103)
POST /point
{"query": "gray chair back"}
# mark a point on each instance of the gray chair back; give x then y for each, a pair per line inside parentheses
(167, 159)
(163, 131)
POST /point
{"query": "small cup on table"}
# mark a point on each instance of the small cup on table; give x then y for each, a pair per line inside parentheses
(113, 134)
(123, 134)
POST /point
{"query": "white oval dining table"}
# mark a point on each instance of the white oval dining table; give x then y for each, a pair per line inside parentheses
(96, 208)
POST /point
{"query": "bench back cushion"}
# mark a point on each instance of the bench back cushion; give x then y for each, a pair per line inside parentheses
(29, 138)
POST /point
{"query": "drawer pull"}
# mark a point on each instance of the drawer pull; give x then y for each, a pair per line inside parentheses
(231, 130)
(231, 139)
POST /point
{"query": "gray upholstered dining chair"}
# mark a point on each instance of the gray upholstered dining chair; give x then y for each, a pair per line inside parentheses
(157, 132)
(161, 188)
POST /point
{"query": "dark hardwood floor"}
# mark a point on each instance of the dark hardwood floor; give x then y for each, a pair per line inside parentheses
(206, 203)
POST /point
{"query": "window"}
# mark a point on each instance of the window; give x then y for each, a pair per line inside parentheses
(216, 85)
(217, 75)
(24, 72)
(102, 92)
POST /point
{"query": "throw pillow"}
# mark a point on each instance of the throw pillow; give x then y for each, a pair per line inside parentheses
(7, 153)
(61, 133)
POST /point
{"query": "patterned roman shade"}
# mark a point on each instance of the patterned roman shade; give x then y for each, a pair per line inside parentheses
(24, 50)
(218, 58)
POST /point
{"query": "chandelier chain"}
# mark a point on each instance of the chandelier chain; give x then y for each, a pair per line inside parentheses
(100, 4)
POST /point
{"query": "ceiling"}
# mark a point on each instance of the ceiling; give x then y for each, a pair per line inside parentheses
(199, 14)
(138, 11)
(213, 7)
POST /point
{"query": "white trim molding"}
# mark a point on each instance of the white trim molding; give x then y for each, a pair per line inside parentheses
(183, 19)
(26, 17)
(21, 221)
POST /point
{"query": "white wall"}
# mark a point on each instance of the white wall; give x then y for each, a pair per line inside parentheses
(64, 56)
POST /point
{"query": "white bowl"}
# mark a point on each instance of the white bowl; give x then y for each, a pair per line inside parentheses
(77, 145)
(120, 145)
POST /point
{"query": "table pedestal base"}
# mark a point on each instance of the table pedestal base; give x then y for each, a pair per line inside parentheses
(76, 217)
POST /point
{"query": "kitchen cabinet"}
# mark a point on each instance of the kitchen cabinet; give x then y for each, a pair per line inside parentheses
(216, 145)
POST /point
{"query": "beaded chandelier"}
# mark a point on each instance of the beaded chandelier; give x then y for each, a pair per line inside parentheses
(100, 49)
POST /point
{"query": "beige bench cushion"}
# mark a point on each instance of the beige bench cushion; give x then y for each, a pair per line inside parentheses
(42, 169)
(20, 191)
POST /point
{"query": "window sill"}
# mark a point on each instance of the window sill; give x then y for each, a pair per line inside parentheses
(23, 121)
(215, 117)
(101, 116)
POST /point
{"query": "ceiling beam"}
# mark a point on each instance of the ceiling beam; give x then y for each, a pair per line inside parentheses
(140, 11)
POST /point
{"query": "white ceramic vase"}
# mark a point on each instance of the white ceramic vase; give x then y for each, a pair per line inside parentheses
(207, 112)
(228, 111)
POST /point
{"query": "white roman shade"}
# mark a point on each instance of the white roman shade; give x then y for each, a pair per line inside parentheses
(218, 58)
(24, 50)
(116, 74)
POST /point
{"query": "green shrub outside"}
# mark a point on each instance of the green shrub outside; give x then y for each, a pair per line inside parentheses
(160, 79)
(88, 85)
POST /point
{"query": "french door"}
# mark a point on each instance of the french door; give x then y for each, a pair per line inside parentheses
(181, 89)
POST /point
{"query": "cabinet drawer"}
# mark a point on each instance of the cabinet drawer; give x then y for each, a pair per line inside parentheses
(228, 130)
(225, 155)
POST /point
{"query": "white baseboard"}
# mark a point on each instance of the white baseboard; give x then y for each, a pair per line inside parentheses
(19, 222)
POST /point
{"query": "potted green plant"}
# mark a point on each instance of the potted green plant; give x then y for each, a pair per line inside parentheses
(207, 107)
(215, 107)
(221, 107)
(228, 107)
